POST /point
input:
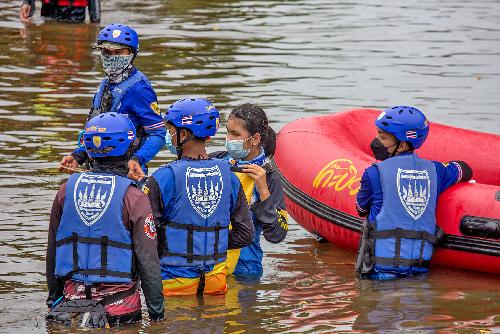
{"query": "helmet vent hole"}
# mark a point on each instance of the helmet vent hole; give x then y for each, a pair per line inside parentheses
(209, 127)
(127, 39)
(385, 124)
(105, 35)
(112, 115)
(108, 29)
(127, 33)
(410, 111)
(199, 122)
(388, 117)
(192, 100)
(211, 118)
(121, 140)
(400, 111)
(101, 115)
(106, 138)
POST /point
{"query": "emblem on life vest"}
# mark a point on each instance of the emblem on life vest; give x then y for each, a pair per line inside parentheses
(92, 196)
(414, 188)
(204, 189)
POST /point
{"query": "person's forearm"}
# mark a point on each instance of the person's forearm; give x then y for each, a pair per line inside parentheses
(80, 155)
(267, 215)
(154, 143)
(465, 172)
(242, 231)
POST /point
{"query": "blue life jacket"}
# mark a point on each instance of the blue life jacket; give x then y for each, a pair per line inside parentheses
(405, 228)
(197, 223)
(92, 243)
(118, 92)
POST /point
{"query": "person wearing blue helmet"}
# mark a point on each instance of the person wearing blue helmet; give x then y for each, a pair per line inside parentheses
(125, 90)
(102, 237)
(398, 195)
(62, 10)
(199, 204)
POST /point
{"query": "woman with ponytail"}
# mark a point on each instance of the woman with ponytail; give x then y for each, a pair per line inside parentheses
(250, 142)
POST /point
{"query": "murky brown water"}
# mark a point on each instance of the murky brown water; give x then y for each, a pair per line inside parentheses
(295, 58)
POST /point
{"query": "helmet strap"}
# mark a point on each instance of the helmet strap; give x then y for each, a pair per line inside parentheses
(396, 149)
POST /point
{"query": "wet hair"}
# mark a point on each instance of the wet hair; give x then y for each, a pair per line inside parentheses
(255, 121)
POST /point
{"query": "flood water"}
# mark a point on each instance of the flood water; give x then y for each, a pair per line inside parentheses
(295, 58)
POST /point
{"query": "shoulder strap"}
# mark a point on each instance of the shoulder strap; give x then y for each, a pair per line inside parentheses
(119, 91)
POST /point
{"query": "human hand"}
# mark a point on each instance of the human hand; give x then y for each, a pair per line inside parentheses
(258, 174)
(24, 13)
(135, 171)
(68, 164)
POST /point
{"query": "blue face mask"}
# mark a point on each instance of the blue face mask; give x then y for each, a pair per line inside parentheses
(235, 148)
(168, 144)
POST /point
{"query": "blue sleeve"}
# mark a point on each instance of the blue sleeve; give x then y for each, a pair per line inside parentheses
(364, 197)
(144, 111)
(448, 174)
(166, 186)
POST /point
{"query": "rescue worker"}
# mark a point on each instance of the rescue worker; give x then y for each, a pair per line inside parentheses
(102, 237)
(250, 142)
(125, 90)
(62, 10)
(398, 195)
(195, 198)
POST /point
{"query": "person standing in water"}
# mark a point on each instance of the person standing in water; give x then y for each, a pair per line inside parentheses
(194, 200)
(125, 90)
(102, 237)
(62, 10)
(250, 142)
(398, 195)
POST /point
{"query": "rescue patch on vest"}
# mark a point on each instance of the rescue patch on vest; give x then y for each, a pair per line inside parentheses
(414, 190)
(149, 227)
(92, 196)
(204, 189)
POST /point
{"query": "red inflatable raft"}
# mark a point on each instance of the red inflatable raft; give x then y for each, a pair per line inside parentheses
(321, 161)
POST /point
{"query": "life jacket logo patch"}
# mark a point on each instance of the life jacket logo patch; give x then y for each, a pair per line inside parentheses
(414, 187)
(92, 195)
(204, 189)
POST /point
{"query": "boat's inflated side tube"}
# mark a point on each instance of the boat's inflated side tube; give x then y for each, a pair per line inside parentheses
(480, 227)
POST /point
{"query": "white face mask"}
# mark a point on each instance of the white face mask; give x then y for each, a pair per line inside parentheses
(115, 64)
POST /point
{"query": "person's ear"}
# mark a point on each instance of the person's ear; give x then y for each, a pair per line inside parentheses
(184, 134)
(403, 147)
(255, 140)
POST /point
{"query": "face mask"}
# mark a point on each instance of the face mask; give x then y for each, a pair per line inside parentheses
(115, 64)
(168, 144)
(235, 148)
(379, 150)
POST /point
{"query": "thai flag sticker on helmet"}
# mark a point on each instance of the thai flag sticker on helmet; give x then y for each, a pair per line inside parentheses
(187, 120)
(411, 134)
